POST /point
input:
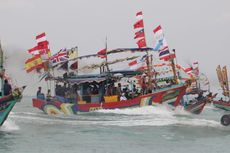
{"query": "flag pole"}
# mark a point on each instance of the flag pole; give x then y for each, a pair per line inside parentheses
(106, 57)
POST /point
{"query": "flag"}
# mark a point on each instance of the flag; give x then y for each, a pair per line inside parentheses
(189, 71)
(102, 53)
(60, 56)
(157, 29)
(138, 64)
(164, 53)
(74, 66)
(33, 63)
(139, 34)
(158, 32)
(139, 24)
(141, 43)
(41, 37)
(133, 63)
(73, 53)
(139, 15)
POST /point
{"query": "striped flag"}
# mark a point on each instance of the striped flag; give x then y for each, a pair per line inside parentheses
(139, 34)
(34, 63)
(141, 43)
(139, 24)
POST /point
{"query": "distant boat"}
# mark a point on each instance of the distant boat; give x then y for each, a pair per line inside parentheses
(7, 102)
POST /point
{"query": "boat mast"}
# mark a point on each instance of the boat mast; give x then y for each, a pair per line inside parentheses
(106, 57)
(1, 69)
(175, 78)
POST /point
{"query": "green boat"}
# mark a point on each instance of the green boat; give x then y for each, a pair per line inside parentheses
(7, 102)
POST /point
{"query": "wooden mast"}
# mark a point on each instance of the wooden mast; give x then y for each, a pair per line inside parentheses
(174, 69)
(106, 57)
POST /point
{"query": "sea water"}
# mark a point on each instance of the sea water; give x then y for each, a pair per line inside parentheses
(132, 130)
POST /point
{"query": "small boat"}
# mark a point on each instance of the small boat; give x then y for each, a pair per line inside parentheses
(223, 104)
(196, 106)
(7, 102)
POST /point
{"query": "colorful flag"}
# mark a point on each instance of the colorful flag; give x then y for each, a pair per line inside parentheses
(60, 56)
(139, 34)
(33, 63)
(139, 24)
(141, 43)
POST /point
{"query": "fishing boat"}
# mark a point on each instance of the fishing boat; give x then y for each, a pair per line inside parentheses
(85, 102)
(223, 103)
(104, 90)
(7, 102)
(198, 85)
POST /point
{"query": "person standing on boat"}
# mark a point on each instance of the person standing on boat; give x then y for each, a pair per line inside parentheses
(40, 95)
(7, 88)
(48, 95)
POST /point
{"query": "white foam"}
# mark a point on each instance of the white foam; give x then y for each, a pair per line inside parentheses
(147, 110)
(9, 125)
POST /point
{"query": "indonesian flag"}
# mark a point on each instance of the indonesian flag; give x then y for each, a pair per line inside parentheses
(137, 65)
(41, 37)
(102, 53)
(139, 24)
(34, 63)
(139, 34)
(141, 43)
(158, 33)
(139, 15)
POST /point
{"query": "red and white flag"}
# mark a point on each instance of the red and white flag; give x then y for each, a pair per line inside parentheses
(102, 53)
(141, 43)
(139, 24)
(139, 15)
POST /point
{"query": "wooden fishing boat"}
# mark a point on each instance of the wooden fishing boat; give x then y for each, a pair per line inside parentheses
(7, 102)
(171, 95)
(196, 106)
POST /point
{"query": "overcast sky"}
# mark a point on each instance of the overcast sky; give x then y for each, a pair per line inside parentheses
(199, 30)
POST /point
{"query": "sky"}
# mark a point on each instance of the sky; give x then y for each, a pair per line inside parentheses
(198, 30)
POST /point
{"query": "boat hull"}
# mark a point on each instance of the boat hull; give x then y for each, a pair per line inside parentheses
(171, 96)
(225, 105)
(6, 105)
(197, 107)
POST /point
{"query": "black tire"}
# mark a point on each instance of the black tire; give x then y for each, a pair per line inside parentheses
(225, 120)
